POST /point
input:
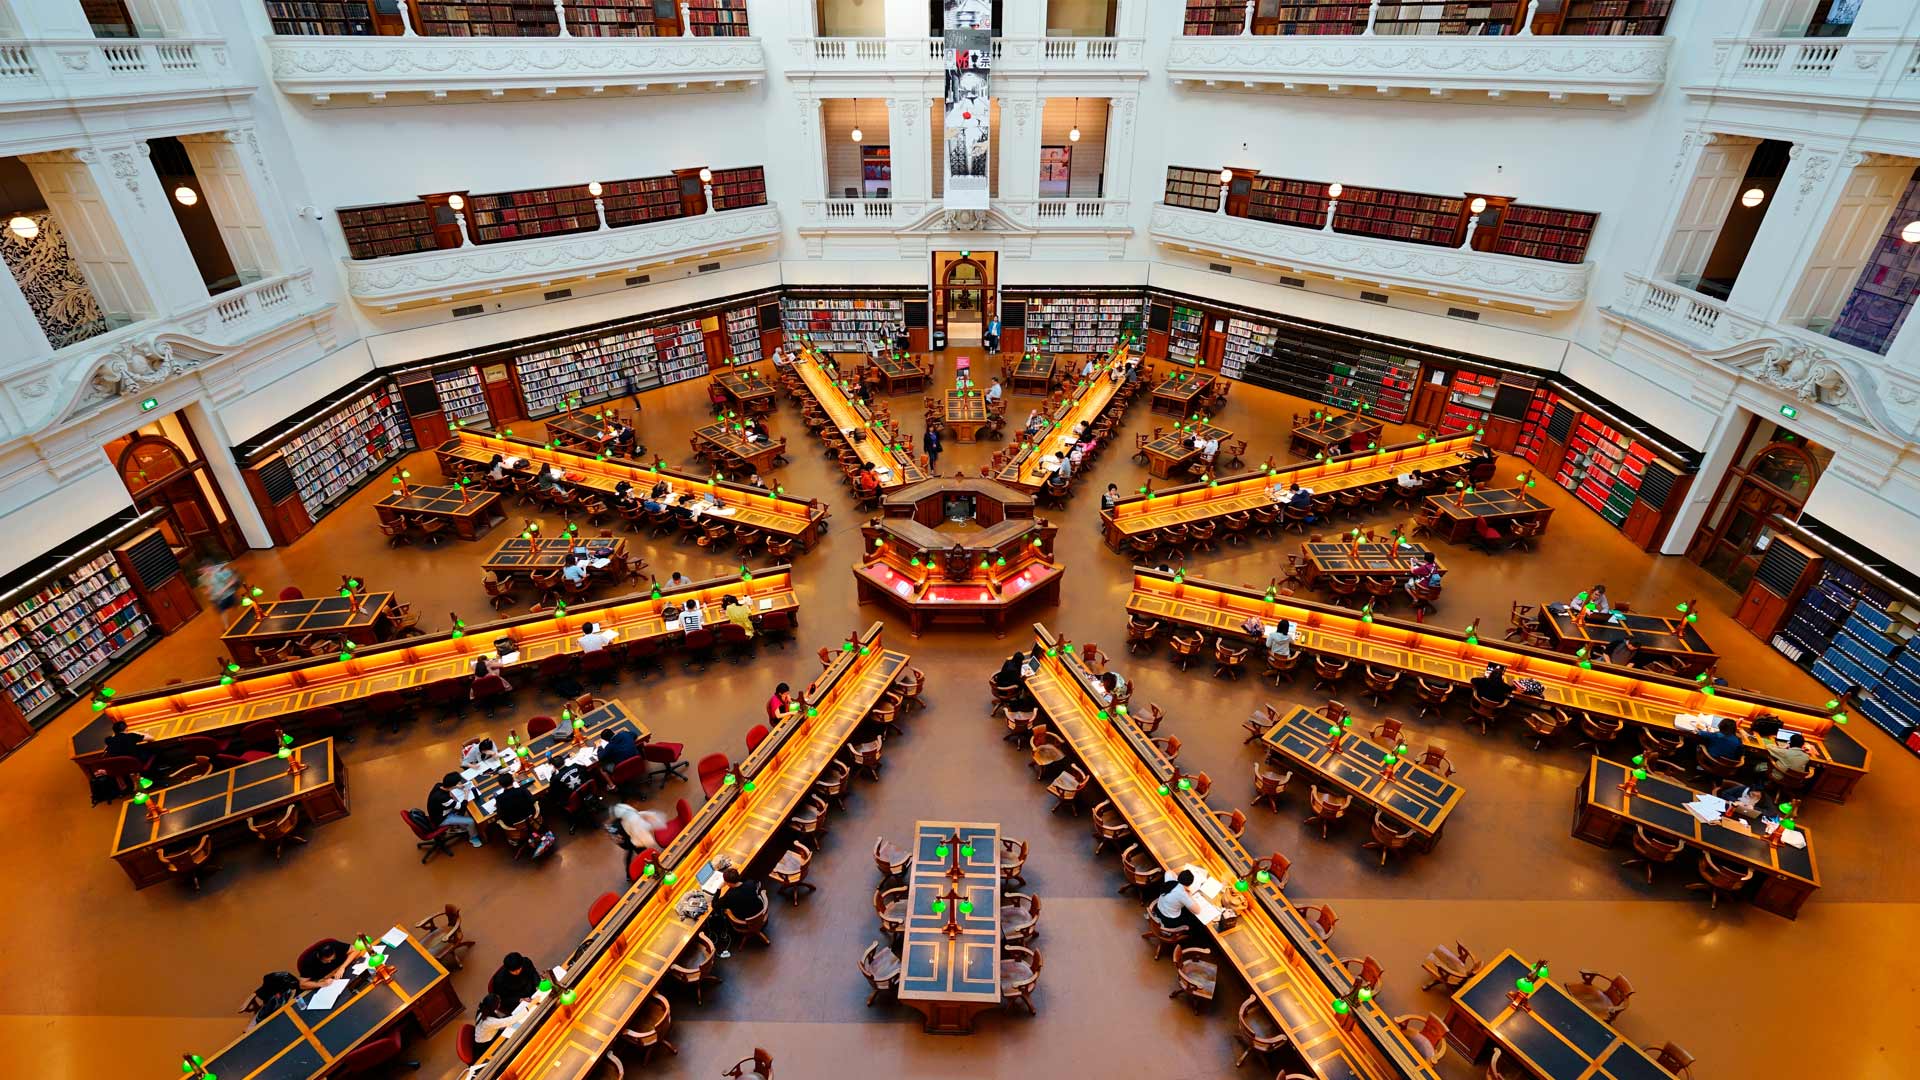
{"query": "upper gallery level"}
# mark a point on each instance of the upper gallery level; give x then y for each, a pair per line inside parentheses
(1612, 50)
(409, 52)
(1839, 59)
(831, 39)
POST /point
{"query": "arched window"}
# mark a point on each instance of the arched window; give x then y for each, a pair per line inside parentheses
(148, 460)
(1787, 469)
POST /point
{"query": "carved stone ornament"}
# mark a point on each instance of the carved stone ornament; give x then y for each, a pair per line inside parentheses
(126, 170)
(1805, 372)
(966, 220)
(1811, 174)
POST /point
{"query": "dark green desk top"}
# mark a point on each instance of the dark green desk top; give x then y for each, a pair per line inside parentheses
(965, 967)
(223, 797)
(1415, 796)
(323, 614)
(1558, 1039)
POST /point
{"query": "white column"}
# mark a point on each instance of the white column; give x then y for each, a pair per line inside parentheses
(1806, 195)
(67, 179)
(18, 325)
(244, 203)
(1121, 111)
(218, 447)
(1019, 163)
(813, 140)
(1856, 215)
(907, 135)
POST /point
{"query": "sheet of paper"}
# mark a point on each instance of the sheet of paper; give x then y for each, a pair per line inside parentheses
(543, 772)
(1707, 807)
(766, 603)
(1207, 911)
(393, 937)
(468, 774)
(489, 805)
(322, 999)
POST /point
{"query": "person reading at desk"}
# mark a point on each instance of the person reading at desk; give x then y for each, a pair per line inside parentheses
(1724, 742)
(324, 961)
(781, 706)
(1087, 369)
(1492, 685)
(1596, 599)
(1409, 480)
(678, 580)
(124, 743)
(443, 808)
(1174, 907)
(493, 1017)
(497, 468)
(1786, 760)
(994, 392)
(1110, 498)
(867, 481)
(1115, 687)
(1279, 639)
(1426, 575)
(1035, 422)
(593, 638)
(575, 572)
(275, 990)
(515, 981)
(514, 805)
(1743, 801)
(737, 613)
(623, 495)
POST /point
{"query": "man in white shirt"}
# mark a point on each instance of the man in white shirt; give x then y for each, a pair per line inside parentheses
(1208, 449)
(994, 392)
(1175, 907)
(692, 618)
(1410, 480)
(1086, 369)
(593, 639)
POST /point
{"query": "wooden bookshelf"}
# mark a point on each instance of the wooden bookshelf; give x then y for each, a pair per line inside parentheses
(1615, 18)
(1212, 18)
(736, 188)
(634, 202)
(1193, 189)
(839, 324)
(327, 451)
(1317, 17)
(1477, 18)
(1183, 334)
(520, 18)
(515, 215)
(1541, 232)
(334, 18)
(1083, 323)
(1289, 202)
(718, 18)
(743, 334)
(373, 232)
(1400, 215)
(623, 18)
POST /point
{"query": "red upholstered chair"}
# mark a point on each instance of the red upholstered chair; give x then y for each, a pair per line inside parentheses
(756, 735)
(682, 817)
(489, 691)
(465, 1046)
(628, 771)
(602, 905)
(538, 726)
(712, 768)
(431, 842)
(667, 756)
(292, 592)
(637, 865)
(378, 1055)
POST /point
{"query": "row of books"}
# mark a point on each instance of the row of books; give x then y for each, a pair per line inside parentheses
(1082, 324)
(1183, 335)
(461, 395)
(743, 334)
(843, 323)
(1194, 189)
(55, 641)
(359, 438)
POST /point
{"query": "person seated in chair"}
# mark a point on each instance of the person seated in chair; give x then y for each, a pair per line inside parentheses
(1410, 480)
(515, 981)
(515, 805)
(1492, 685)
(621, 745)
(326, 961)
(443, 809)
(1110, 497)
(623, 499)
(493, 1017)
(1724, 742)
(867, 481)
(1174, 906)
(1426, 575)
(575, 572)
(124, 743)
(1279, 639)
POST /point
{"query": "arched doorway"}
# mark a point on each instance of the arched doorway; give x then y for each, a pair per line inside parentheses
(157, 472)
(1773, 477)
(963, 294)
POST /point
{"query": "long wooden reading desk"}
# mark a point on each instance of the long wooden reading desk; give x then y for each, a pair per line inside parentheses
(1554, 1038)
(1417, 798)
(222, 802)
(1653, 635)
(1639, 697)
(1284, 962)
(1191, 503)
(1087, 401)
(1175, 448)
(822, 378)
(285, 691)
(1602, 812)
(772, 512)
(356, 619)
(623, 959)
(900, 374)
(950, 979)
(469, 513)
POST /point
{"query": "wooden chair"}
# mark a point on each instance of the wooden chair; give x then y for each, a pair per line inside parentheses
(1020, 727)
(1185, 648)
(1434, 759)
(1046, 753)
(1387, 732)
(865, 756)
(1321, 921)
(1328, 808)
(1600, 731)
(834, 780)
(1718, 881)
(1228, 662)
(1365, 971)
(890, 907)
(1019, 918)
(1387, 837)
(1258, 723)
(1651, 851)
(1282, 667)
(1433, 694)
(1674, 1058)
(277, 831)
(1426, 1033)
(1380, 683)
(443, 935)
(753, 927)
(1013, 860)
(650, 1028)
(1141, 633)
(1269, 783)
(1343, 589)
(1163, 937)
(1328, 671)
(1019, 974)
(789, 875)
(1148, 718)
(1234, 823)
(395, 531)
(882, 971)
(1109, 826)
(1259, 1031)
(1138, 867)
(1602, 996)
(1544, 724)
(1715, 766)
(1066, 788)
(1169, 746)
(695, 966)
(1199, 976)
(891, 860)
(809, 821)
(190, 864)
(1450, 967)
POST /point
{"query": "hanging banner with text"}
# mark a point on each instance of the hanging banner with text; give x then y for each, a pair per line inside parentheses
(969, 47)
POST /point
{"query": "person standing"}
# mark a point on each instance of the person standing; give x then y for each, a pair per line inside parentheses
(930, 442)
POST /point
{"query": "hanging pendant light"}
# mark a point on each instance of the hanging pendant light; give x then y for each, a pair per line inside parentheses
(185, 195)
(23, 227)
(1074, 135)
(857, 133)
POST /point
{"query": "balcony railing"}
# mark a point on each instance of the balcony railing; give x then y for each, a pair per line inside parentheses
(438, 69)
(1851, 70)
(1861, 386)
(44, 71)
(1039, 214)
(1457, 272)
(1015, 56)
(450, 273)
(1616, 68)
(135, 359)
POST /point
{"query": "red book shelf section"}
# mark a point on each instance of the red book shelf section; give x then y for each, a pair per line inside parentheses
(397, 229)
(735, 188)
(718, 18)
(1533, 430)
(1314, 17)
(1288, 202)
(1207, 18)
(1468, 402)
(1603, 468)
(1400, 215)
(514, 215)
(631, 202)
(1540, 232)
(1616, 17)
(526, 18)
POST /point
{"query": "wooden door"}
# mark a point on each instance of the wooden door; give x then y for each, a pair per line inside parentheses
(1240, 191)
(714, 337)
(693, 194)
(1430, 397)
(503, 394)
(1213, 342)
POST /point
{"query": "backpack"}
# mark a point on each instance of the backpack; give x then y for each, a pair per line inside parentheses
(420, 820)
(544, 844)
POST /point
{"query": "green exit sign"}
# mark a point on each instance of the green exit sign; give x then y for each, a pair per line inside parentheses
(1789, 411)
(150, 404)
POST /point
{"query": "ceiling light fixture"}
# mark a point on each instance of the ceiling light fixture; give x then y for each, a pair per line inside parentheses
(185, 195)
(1074, 134)
(23, 227)
(857, 133)
(1911, 232)
(1752, 197)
